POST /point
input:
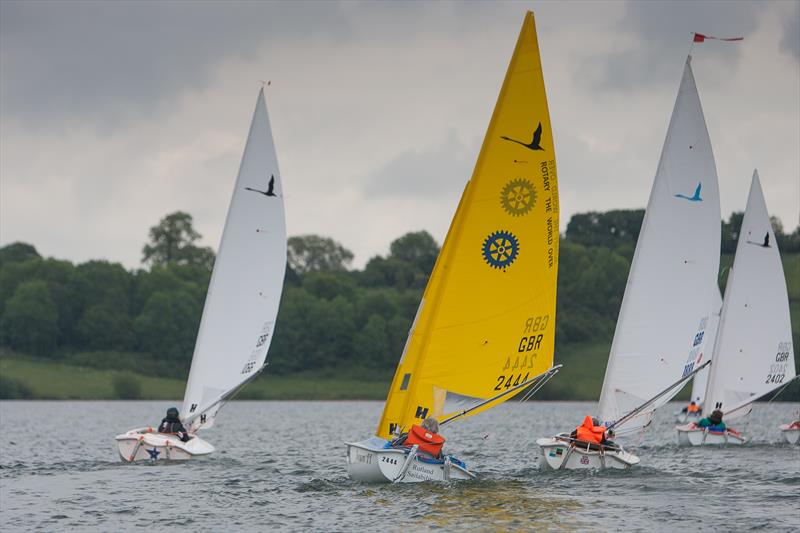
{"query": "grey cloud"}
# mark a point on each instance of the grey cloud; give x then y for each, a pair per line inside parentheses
(435, 169)
(790, 42)
(662, 32)
(106, 62)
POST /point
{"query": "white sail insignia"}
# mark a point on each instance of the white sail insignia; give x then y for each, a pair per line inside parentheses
(668, 298)
(753, 355)
(242, 302)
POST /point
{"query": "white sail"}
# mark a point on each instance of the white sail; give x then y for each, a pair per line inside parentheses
(754, 354)
(700, 380)
(670, 290)
(245, 290)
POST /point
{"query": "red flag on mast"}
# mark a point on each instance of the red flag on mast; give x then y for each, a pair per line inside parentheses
(699, 38)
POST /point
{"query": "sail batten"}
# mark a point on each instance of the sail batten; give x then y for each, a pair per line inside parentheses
(488, 319)
(241, 306)
(668, 300)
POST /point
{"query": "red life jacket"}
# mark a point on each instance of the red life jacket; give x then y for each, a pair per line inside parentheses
(428, 442)
(588, 432)
(692, 408)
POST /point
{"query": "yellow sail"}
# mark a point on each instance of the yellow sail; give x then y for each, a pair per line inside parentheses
(487, 318)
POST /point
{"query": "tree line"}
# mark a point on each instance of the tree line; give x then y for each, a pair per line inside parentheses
(331, 317)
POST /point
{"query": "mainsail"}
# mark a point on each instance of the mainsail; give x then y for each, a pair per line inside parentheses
(669, 296)
(753, 355)
(486, 322)
(245, 290)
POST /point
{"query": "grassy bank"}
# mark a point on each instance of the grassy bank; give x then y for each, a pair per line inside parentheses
(43, 379)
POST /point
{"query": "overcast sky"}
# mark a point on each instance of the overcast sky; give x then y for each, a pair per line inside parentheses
(114, 114)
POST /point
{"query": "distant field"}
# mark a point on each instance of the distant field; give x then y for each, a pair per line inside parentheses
(58, 381)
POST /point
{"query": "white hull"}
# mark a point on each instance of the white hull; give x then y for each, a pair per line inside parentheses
(371, 462)
(683, 418)
(144, 444)
(790, 434)
(561, 454)
(692, 435)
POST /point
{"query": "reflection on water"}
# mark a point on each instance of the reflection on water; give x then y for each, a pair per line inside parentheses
(506, 505)
(281, 465)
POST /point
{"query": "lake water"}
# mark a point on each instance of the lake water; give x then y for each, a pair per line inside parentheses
(281, 466)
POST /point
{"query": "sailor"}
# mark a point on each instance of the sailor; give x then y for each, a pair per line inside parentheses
(590, 431)
(713, 421)
(425, 435)
(172, 425)
(692, 408)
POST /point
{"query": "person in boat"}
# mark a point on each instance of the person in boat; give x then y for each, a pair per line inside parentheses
(713, 421)
(426, 436)
(592, 432)
(692, 409)
(172, 424)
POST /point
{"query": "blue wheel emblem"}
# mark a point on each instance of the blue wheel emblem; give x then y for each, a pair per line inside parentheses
(500, 249)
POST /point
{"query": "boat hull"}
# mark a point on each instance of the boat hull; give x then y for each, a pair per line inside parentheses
(692, 435)
(560, 454)
(144, 444)
(790, 434)
(684, 418)
(370, 461)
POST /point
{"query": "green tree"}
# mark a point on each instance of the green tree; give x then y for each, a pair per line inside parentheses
(167, 326)
(371, 345)
(106, 327)
(329, 285)
(730, 232)
(605, 229)
(17, 252)
(310, 253)
(172, 241)
(102, 282)
(417, 248)
(30, 320)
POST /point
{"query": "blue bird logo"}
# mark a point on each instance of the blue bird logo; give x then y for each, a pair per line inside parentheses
(696, 197)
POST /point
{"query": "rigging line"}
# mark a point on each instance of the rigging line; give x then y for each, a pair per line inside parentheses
(652, 400)
(537, 387)
(551, 371)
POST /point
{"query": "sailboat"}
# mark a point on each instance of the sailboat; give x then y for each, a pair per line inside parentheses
(753, 353)
(700, 380)
(485, 327)
(241, 306)
(668, 300)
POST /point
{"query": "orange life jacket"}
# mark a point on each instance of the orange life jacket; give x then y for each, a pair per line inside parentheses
(428, 442)
(692, 408)
(588, 432)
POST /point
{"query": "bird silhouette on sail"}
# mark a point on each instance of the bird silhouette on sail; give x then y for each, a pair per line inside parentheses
(764, 244)
(270, 187)
(534, 144)
(695, 198)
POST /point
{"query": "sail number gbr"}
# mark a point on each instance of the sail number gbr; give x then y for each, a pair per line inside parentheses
(531, 341)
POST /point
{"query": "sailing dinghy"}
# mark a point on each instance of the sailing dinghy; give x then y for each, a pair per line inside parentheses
(485, 327)
(241, 305)
(668, 300)
(753, 353)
